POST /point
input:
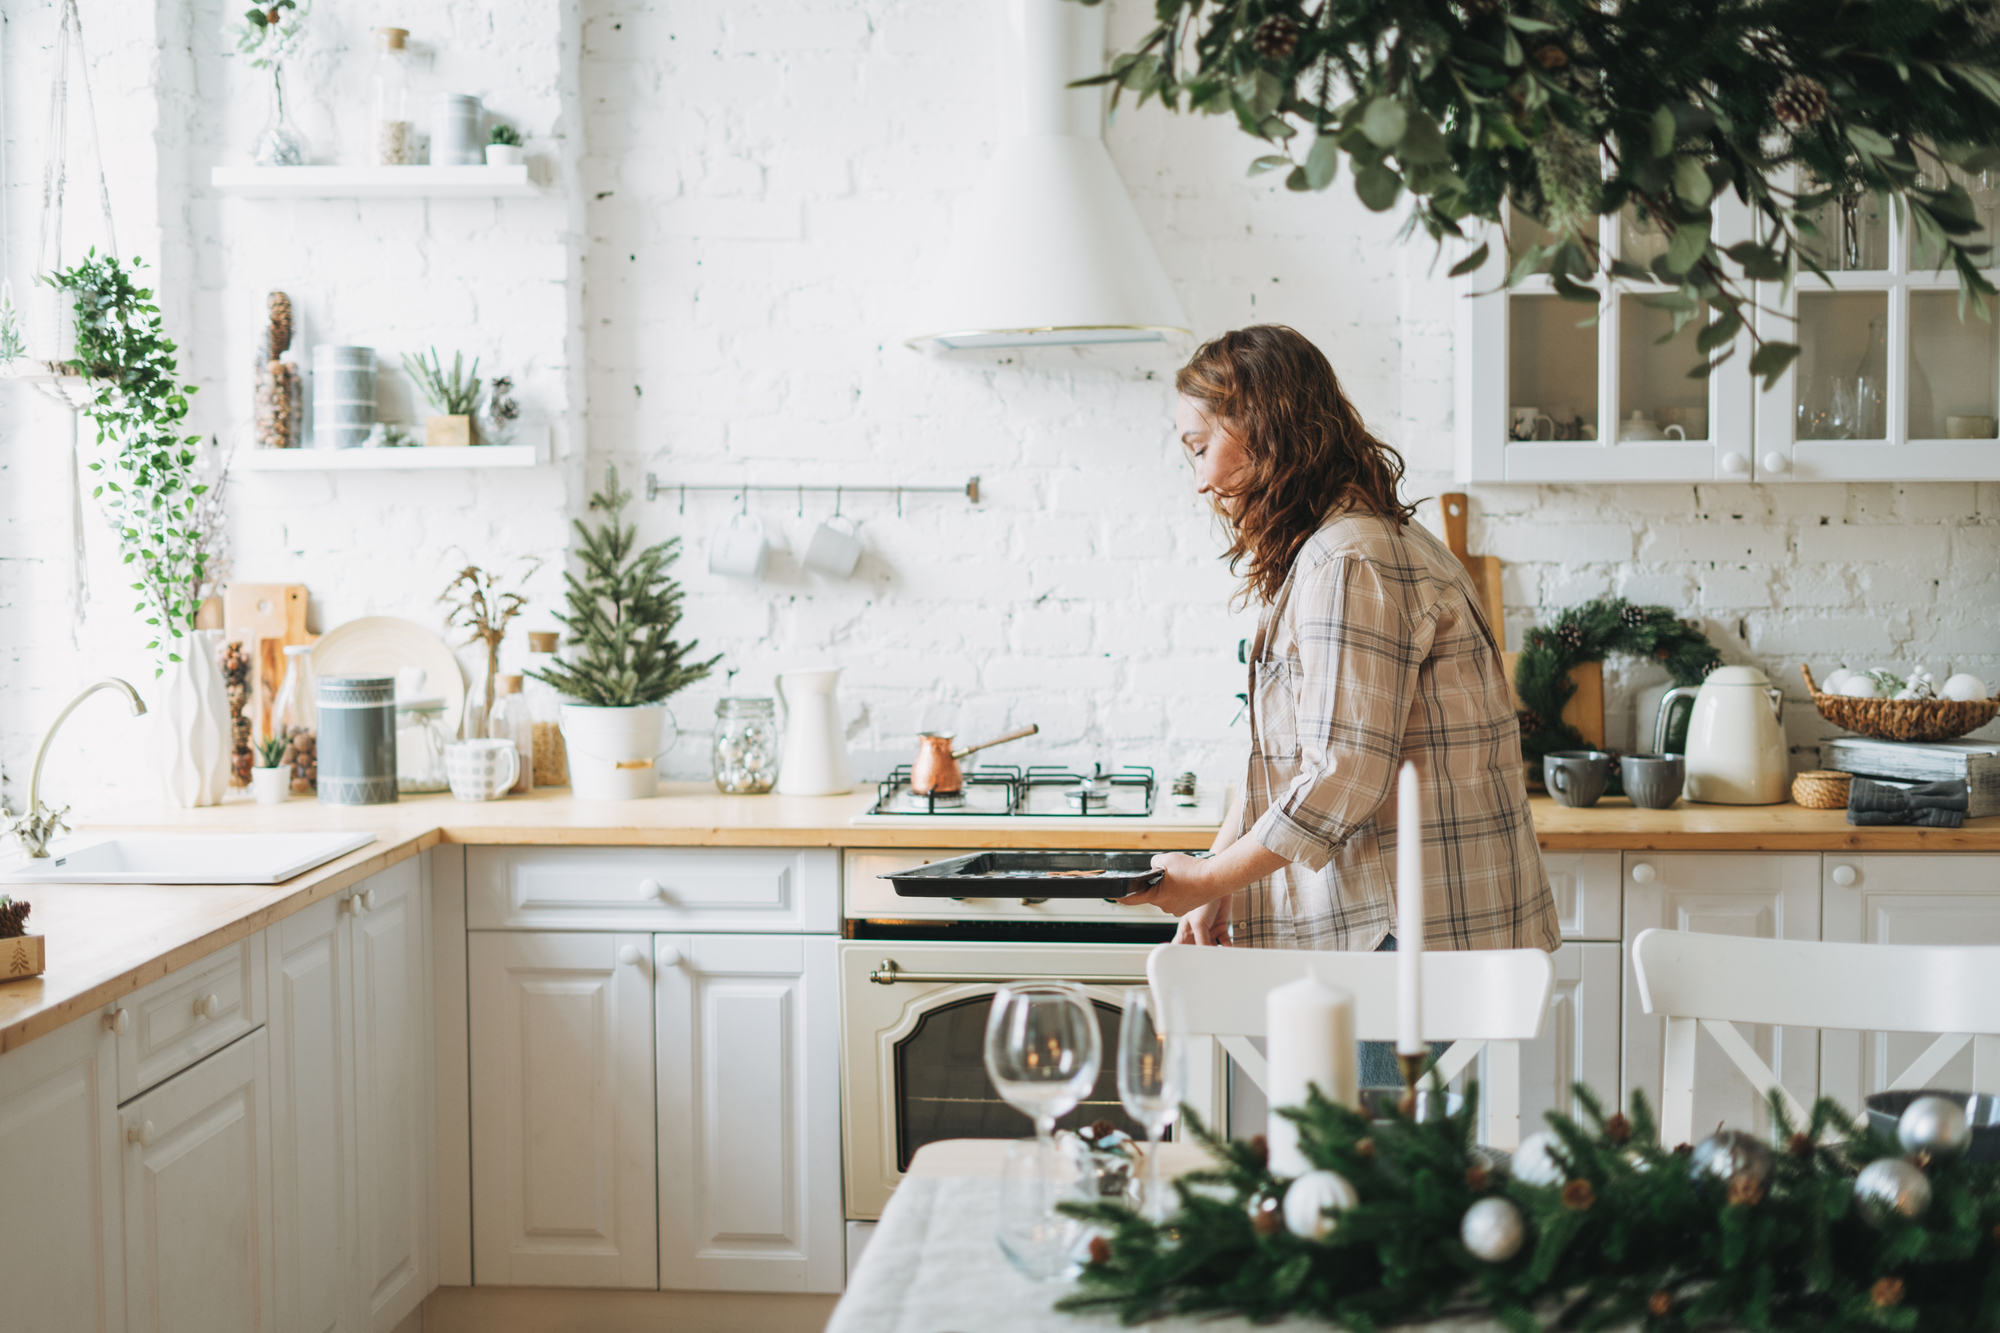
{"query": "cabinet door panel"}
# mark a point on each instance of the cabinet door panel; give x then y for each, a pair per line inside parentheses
(312, 1126)
(392, 1085)
(1587, 893)
(748, 1133)
(61, 1231)
(197, 1227)
(734, 889)
(1579, 1042)
(1769, 895)
(171, 1025)
(563, 1191)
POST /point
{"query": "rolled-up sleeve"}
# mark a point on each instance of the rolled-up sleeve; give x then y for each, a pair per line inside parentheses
(1361, 640)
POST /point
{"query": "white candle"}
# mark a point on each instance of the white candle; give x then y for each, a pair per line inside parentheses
(1409, 917)
(1309, 1040)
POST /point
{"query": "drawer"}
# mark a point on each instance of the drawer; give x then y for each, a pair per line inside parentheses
(185, 1015)
(736, 889)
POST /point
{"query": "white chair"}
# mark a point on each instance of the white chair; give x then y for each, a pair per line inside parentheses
(1714, 982)
(1492, 999)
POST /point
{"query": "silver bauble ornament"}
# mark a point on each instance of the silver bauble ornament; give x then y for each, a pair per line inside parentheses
(1493, 1230)
(1936, 1125)
(1734, 1159)
(1535, 1162)
(1314, 1199)
(1891, 1185)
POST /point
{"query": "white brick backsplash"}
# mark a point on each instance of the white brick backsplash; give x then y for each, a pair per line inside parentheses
(1854, 543)
(1737, 588)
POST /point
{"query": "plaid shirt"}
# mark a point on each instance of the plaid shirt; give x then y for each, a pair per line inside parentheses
(1376, 651)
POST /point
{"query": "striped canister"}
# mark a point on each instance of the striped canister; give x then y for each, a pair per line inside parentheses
(357, 740)
(343, 395)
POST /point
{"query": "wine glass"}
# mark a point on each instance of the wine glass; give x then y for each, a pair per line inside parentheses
(1042, 1050)
(1152, 1076)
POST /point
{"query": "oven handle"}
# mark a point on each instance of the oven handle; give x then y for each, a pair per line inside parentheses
(889, 974)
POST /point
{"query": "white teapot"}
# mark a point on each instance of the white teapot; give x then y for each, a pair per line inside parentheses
(1641, 427)
(1735, 747)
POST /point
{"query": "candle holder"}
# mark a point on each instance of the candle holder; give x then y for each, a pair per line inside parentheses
(1412, 1069)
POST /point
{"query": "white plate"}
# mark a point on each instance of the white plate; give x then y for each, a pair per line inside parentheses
(381, 646)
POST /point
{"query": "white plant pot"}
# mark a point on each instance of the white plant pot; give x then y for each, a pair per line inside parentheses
(271, 786)
(612, 750)
(191, 724)
(503, 155)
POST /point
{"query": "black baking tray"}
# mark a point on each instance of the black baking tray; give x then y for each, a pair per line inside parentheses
(1029, 875)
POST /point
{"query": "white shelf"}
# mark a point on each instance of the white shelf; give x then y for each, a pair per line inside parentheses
(374, 182)
(384, 460)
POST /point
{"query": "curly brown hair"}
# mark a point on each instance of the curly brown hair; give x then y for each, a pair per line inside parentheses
(1309, 454)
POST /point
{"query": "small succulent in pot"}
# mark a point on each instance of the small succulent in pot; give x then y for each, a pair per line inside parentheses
(454, 396)
(505, 134)
(271, 752)
(503, 147)
(271, 780)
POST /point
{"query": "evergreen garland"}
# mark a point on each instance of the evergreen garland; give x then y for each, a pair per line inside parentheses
(1630, 1237)
(622, 614)
(1588, 633)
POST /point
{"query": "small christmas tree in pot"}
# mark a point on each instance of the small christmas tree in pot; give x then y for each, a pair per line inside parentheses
(624, 662)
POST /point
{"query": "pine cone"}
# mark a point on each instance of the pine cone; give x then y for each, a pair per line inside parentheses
(13, 918)
(1551, 56)
(1276, 37)
(1618, 1129)
(1659, 1303)
(280, 306)
(1570, 637)
(1579, 1195)
(1766, 47)
(1886, 1292)
(1632, 616)
(1800, 101)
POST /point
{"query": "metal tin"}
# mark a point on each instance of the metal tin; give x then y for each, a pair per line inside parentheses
(455, 137)
(357, 740)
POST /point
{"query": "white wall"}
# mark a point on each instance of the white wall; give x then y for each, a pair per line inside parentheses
(744, 200)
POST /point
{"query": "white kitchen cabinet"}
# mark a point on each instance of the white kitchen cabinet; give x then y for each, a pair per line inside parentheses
(1922, 898)
(1590, 897)
(1579, 1042)
(197, 1198)
(730, 889)
(1768, 895)
(563, 1163)
(62, 1244)
(186, 1014)
(749, 1129)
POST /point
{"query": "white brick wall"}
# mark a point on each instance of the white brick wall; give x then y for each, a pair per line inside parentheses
(743, 201)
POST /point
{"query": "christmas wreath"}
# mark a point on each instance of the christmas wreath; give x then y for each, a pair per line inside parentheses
(1593, 1228)
(1588, 633)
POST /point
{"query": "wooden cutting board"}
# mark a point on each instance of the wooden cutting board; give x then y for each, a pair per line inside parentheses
(1483, 569)
(271, 615)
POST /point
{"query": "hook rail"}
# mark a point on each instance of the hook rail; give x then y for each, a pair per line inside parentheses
(654, 486)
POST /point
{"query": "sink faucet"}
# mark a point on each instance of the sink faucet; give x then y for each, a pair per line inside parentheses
(36, 827)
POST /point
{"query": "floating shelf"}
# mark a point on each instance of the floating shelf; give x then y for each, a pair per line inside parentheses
(387, 460)
(374, 182)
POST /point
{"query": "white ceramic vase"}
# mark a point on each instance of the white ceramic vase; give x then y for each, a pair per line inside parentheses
(191, 724)
(612, 750)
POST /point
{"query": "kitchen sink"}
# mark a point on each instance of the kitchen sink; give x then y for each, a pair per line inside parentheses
(183, 858)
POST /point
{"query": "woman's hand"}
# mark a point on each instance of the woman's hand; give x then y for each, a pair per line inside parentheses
(1206, 925)
(1197, 889)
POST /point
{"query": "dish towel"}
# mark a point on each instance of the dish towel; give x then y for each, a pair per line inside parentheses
(1934, 804)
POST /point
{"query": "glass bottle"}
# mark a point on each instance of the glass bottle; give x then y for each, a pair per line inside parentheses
(279, 144)
(746, 746)
(295, 717)
(389, 128)
(1871, 384)
(510, 720)
(420, 746)
(545, 708)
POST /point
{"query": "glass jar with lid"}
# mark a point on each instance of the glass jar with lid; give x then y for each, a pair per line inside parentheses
(545, 712)
(295, 718)
(389, 102)
(420, 746)
(512, 721)
(746, 746)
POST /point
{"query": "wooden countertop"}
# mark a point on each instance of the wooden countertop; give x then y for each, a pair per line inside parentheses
(107, 941)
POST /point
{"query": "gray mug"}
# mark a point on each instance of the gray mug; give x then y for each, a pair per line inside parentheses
(1576, 777)
(1653, 781)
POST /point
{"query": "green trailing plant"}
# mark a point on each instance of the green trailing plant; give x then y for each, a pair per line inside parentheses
(1574, 111)
(1629, 1238)
(505, 134)
(12, 344)
(167, 517)
(453, 395)
(271, 752)
(270, 34)
(621, 616)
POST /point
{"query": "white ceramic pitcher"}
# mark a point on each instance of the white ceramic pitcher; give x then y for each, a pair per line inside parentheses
(815, 758)
(1735, 745)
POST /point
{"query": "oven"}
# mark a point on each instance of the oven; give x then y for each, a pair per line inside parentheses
(916, 978)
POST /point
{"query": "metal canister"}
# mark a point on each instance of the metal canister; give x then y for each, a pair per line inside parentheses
(357, 740)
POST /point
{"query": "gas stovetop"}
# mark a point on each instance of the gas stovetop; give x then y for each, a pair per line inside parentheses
(1039, 791)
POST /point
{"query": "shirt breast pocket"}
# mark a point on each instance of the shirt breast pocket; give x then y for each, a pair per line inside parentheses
(1274, 704)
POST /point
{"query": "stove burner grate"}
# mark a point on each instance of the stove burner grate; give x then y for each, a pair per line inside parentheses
(1006, 790)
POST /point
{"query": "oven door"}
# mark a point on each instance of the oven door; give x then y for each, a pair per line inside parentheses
(913, 1032)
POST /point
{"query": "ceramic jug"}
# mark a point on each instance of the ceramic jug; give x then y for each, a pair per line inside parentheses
(1735, 746)
(815, 755)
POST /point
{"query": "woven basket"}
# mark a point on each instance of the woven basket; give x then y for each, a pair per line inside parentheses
(1821, 790)
(1905, 719)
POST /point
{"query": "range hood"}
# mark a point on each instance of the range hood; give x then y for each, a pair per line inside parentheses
(1050, 251)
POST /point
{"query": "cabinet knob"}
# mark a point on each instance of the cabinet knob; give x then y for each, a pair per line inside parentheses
(1643, 873)
(1846, 876)
(119, 1020)
(367, 899)
(1777, 462)
(141, 1134)
(1735, 464)
(669, 956)
(650, 889)
(630, 955)
(208, 1006)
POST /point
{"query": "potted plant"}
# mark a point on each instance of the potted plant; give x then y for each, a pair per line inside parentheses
(503, 148)
(271, 780)
(479, 607)
(626, 664)
(21, 954)
(454, 396)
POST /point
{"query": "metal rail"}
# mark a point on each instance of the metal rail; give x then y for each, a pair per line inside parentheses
(889, 974)
(654, 486)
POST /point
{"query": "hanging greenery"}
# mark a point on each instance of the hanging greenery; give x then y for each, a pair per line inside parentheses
(1606, 1228)
(167, 517)
(1572, 111)
(1590, 633)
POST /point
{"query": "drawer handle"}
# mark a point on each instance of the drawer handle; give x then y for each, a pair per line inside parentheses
(119, 1020)
(141, 1134)
(1846, 876)
(1643, 873)
(650, 889)
(208, 1006)
(630, 955)
(669, 956)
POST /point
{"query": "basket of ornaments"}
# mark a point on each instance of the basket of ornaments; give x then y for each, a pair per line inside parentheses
(1890, 707)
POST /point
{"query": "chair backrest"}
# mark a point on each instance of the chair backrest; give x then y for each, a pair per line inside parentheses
(1487, 998)
(1713, 982)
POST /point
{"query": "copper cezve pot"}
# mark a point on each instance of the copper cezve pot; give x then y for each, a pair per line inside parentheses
(935, 770)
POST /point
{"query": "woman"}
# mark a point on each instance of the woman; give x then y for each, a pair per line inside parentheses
(1372, 649)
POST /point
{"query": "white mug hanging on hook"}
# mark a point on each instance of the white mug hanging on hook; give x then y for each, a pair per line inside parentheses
(835, 547)
(739, 549)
